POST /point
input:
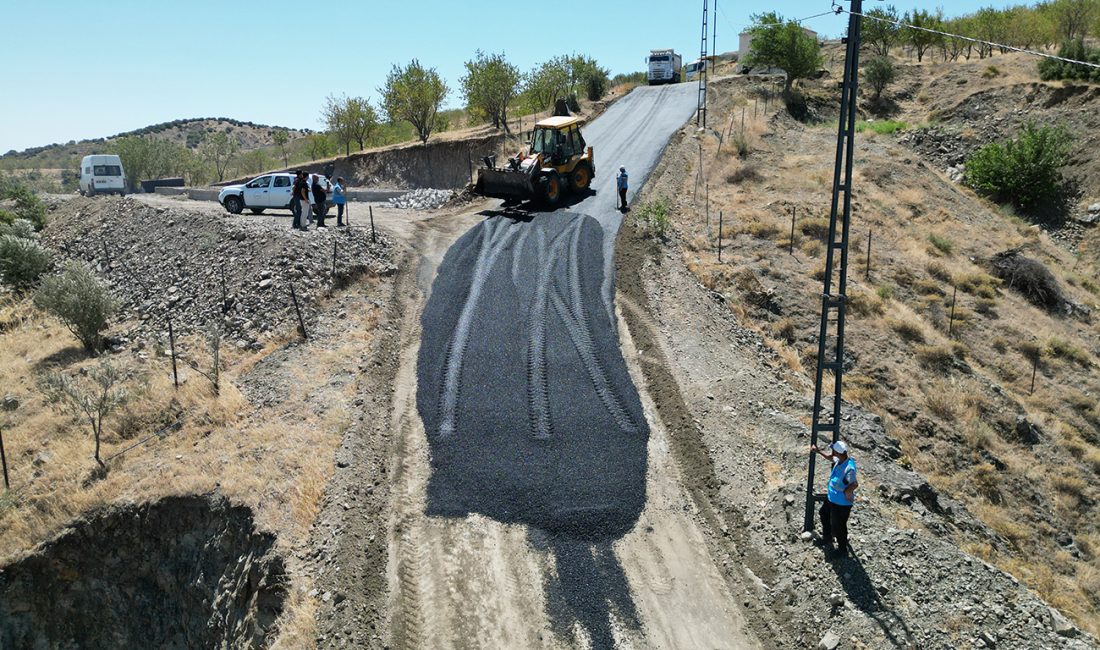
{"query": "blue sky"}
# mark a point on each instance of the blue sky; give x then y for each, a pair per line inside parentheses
(80, 70)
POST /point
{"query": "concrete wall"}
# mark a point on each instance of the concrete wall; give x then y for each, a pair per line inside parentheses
(438, 164)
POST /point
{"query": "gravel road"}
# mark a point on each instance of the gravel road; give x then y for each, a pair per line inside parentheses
(527, 404)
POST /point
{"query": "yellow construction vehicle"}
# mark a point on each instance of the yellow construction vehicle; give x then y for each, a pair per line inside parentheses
(556, 161)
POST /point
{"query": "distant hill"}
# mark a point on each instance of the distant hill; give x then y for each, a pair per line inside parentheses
(188, 132)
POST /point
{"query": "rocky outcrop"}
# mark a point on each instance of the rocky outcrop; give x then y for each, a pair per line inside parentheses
(183, 572)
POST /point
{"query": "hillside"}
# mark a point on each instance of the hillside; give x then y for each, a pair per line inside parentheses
(939, 339)
(186, 132)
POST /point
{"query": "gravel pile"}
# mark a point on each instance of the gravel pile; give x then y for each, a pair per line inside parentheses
(165, 263)
(424, 199)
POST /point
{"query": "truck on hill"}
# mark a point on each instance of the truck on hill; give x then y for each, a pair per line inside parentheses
(663, 67)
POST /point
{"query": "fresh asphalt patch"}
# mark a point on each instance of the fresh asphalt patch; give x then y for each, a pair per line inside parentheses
(529, 409)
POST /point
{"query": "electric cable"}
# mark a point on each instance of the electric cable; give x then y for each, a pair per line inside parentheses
(838, 9)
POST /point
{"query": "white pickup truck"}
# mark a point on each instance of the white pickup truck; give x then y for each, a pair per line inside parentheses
(263, 192)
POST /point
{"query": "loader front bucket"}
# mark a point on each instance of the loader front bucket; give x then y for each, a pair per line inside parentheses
(503, 184)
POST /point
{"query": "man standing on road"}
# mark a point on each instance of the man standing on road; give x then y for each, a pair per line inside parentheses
(339, 197)
(842, 491)
(622, 182)
(301, 190)
(320, 200)
(295, 200)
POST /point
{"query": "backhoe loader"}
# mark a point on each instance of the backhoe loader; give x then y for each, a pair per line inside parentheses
(556, 161)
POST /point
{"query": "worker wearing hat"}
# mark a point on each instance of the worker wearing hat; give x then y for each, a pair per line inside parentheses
(622, 183)
(838, 503)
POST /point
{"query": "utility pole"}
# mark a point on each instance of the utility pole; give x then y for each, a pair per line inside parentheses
(704, 49)
(829, 357)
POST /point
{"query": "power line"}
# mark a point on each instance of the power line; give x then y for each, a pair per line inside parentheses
(838, 9)
(824, 13)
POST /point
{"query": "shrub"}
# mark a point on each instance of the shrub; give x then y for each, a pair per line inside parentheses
(940, 358)
(22, 261)
(6, 217)
(991, 72)
(18, 228)
(884, 292)
(1076, 49)
(27, 205)
(1063, 349)
(1026, 171)
(939, 271)
(653, 216)
(740, 145)
(863, 303)
(907, 330)
(742, 174)
(942, 244)
(80, 301)
(816, 227)
(879, 72)
(881, 127)
(1030, 278)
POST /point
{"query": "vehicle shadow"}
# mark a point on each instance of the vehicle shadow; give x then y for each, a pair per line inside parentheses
(863, 594)
(521, 210)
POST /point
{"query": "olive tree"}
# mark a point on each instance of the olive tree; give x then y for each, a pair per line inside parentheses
(879, 72)
(415, 94)
(547, 83)
(281, 137)
(784, 44)
(879, 34)
(89, 397)
(490, 86)
(349, 119)
(80, 301)
(219, 150)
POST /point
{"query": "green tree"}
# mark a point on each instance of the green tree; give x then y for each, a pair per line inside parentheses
(879, 72)
(585, 74)
(489, 87)
(147, 157)
(89, 397)
(878, 34)
(79, 300)
(414, 94)
(349, 119)
(318, 145)
(1026, 171)
(253, 162)
(1073, 18)
(921, 40)
(783, 44)
(219, 150)
(547, 83)
(281, 137)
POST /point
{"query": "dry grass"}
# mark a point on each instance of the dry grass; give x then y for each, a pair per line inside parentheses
(928, 238)
(908, 330)
(276, 460)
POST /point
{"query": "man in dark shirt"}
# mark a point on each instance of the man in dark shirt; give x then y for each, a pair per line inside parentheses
(300, 192)
(319, 200)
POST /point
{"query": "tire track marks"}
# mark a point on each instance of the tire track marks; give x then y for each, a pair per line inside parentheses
(456, 349)
(538, 388)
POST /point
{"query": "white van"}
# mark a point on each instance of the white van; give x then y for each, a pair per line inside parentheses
(102, 175)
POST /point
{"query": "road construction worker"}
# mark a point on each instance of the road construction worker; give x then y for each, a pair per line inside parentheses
(622, 183)
(842, 490)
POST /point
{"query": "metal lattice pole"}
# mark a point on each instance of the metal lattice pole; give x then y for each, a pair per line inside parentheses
(834, 298)
(704, 50)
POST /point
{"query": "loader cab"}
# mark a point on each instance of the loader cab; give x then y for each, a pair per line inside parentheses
(558, 139)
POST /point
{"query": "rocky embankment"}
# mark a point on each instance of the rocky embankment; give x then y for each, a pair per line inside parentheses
(202, 271)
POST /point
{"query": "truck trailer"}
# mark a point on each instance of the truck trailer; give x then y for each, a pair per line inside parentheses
(663, 67)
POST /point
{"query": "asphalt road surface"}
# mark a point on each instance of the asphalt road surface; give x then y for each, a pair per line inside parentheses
(528, 408)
